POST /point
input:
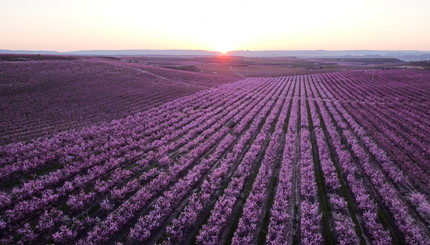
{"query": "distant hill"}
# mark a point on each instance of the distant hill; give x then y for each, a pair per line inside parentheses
(405, 55)
(137, 52)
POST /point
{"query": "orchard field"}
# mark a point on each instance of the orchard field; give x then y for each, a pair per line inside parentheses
(329, 158)
(44, 95)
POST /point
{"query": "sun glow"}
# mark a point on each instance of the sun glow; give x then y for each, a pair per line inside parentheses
(223, 48)
(223, 51)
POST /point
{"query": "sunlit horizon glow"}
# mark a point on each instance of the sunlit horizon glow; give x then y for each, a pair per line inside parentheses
(215, 25)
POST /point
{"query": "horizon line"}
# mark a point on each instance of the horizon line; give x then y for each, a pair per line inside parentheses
(206, 50)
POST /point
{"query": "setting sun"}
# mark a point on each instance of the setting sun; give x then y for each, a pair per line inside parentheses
(223, 47)
(223, 51)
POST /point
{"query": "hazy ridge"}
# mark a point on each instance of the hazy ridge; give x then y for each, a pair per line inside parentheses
(405, 55)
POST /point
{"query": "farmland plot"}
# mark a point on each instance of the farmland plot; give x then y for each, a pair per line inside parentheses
(338, 158)
(41, 98)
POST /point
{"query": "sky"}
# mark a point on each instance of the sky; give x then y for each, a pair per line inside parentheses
(222, 25)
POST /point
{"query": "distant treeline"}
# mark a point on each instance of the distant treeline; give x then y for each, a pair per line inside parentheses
(26, 57)
(425, 63)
